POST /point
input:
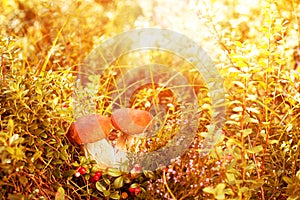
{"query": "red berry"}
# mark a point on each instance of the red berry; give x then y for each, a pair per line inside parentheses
(132, 190)
(137, 190)
(96, 177)
(82, 170)
(98, 173)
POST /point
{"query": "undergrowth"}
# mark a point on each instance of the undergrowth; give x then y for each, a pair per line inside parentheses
(42, 47)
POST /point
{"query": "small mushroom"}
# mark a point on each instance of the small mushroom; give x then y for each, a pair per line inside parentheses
(131, 121)
(90, 128)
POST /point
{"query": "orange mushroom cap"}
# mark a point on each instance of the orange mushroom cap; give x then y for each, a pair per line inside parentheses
(131, 121)
(90, 128)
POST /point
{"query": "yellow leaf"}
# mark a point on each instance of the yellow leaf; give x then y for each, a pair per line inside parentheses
(240, 84)
(241, 63)
(256, 149)
(238, 109)
(238, 43)
(246, 132)
(230, 178)
(60, 194)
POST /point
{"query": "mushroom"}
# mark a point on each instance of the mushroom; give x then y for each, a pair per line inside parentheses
(90, 128)
(131, 121)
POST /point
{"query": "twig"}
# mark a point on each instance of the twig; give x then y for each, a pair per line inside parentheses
(166, 184)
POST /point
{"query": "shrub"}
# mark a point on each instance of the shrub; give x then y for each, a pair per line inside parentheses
(35, 112)
(257, 156)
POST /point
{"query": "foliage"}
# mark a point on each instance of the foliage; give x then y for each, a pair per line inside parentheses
(257, 157)
(42, 46)
(35, 112)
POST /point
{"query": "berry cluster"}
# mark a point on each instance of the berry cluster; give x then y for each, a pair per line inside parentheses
(96, 177)
(82, 170)
(134, 191)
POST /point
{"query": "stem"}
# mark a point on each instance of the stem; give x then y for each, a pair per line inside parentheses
(50, 52)
(241, 133)
(257, 170)
(266, 108)
(166, 184)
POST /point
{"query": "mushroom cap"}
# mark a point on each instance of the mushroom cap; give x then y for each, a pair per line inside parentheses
(131, 121)
(89, 128)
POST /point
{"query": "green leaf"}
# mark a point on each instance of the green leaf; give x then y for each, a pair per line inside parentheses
(119, 182)
(115, 195)
(60, 194)
(87, 176)
(127, 180)
(106, 180)
(56, 172)
(256, 149)
(134, 185)
(83, 160)
(100, 187)
(75, 164)
(36, 155)
(106, 193)
(95, 168)
(149, 174)
(69, 173)
(64, 155)
(114, 172)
